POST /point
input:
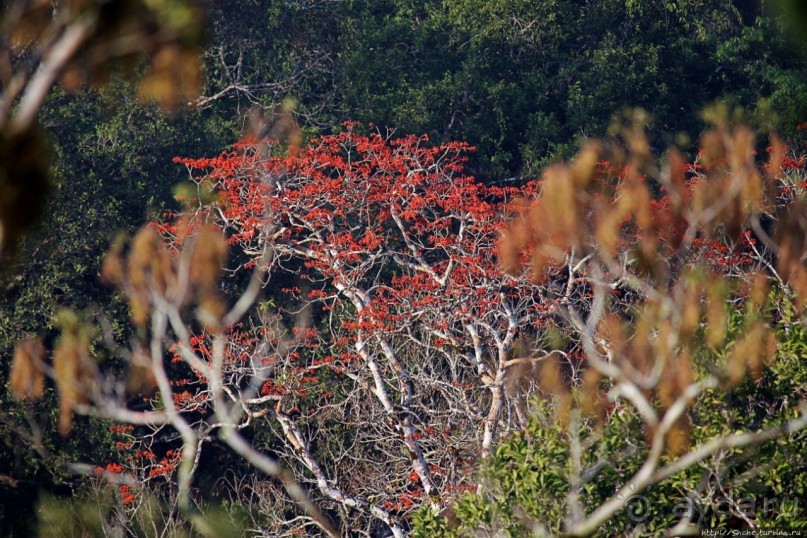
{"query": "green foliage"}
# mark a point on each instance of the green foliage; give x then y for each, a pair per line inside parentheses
(526, 484)
(111, 171)
(523, 81)
(94, 512)
(85, 516)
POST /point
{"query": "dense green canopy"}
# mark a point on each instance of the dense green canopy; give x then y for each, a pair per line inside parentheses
(524, 81)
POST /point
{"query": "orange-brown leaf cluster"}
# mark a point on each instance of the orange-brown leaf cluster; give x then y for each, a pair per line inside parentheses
(27, 378)
(685, 240)
(151, 271)
(75, 376)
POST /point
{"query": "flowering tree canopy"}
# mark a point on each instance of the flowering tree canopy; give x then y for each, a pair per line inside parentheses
(415, 311)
